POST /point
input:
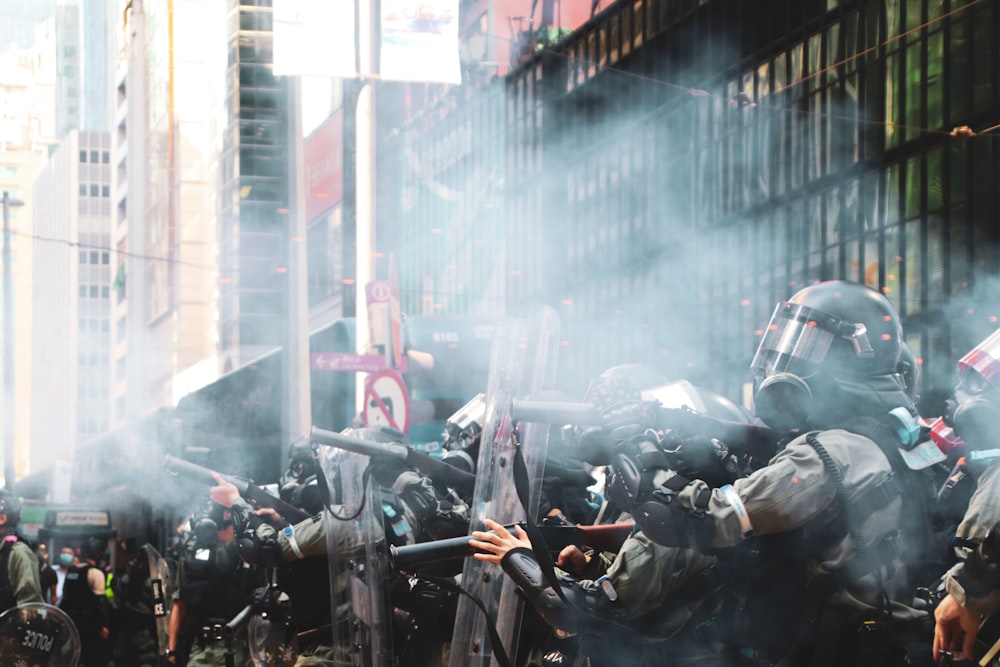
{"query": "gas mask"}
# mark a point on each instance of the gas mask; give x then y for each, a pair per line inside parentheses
(975, 413)
(462, 432)
(300, 484)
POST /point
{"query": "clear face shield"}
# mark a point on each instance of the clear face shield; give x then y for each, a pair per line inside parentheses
(795, 345)
(977, 411)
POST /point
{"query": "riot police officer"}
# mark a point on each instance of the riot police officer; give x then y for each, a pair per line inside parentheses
(837, 512)
(213, 585)
(973, 584)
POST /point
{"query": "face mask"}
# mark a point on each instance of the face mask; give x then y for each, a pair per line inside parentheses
(65, 559)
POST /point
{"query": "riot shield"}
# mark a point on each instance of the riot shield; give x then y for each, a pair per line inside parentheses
(522, 365)
(358, 562)
(38, 635)
(162, 583)
(271, 642)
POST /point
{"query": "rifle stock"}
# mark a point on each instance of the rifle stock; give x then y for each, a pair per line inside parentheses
(604, 537)
(439, 471)
(250, 492)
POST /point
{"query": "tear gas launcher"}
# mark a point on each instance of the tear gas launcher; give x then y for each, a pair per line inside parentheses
(438, 471)
(755, 440)
(253, 494)
(604, 537)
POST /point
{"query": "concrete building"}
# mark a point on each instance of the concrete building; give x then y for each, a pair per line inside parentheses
(70, 395)
(27, 129)
(167, 101)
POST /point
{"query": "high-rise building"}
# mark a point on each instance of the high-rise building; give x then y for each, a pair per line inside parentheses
(168, 98)
(254, 193)
(27, 82)
(70, 325)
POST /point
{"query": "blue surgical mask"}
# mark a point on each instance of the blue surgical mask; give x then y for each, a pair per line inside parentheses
(65, 559)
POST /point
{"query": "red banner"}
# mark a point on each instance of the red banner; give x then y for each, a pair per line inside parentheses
(324, 166)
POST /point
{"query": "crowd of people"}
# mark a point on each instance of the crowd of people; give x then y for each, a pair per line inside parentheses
(833, 525)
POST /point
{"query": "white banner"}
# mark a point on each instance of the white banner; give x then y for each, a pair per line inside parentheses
(420, 41)
(314, 38)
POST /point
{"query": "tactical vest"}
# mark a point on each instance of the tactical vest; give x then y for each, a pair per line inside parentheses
(217, 587)
(7, 599)
(79, 601)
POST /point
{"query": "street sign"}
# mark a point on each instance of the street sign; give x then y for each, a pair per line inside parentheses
(378, 294)
(386, 401)
(349, 362)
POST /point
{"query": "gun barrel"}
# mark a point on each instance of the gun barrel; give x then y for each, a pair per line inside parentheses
(200, 473)
(407, 557)
(238, 621)
(358, 445)
(555, 412)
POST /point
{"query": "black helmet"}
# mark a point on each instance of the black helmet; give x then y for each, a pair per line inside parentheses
(11, 506)
(909, 370)
(827, 336)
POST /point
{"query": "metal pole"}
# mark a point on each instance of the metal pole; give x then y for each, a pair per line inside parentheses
(364, 183)
(297, 411)
(8, 351)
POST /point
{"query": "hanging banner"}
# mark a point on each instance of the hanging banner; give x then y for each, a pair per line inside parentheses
(314, 38)
(420, 41)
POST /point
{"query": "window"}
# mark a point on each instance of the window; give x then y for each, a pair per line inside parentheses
(83, 256)
(94, 324)
(95, 189)
(93, 257)
(94, 157)
(105, 258)
(105, 191)
(105, 292)
(83, 189)
(83, 291)
(106, 157)
(105, 326)
(94, 291)
(83, 157)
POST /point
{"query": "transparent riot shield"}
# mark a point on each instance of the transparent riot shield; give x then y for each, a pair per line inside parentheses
(358, 562)
(523, 364)
(38, 635)
(272, 641)
(162, 583)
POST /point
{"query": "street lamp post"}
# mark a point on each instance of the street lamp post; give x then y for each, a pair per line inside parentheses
(8, 346)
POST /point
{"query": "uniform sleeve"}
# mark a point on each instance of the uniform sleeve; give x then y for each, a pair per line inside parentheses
(983, 512)
(644, 574)
(984, 506)
(796, 487)
(310, 534)
(22, 570)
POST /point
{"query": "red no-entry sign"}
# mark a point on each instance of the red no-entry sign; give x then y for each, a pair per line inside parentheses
(386, 400)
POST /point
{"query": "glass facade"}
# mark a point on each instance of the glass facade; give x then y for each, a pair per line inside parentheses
(677, 166)
(254, 187)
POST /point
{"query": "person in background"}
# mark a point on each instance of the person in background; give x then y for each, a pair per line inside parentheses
(46, 575)
(85, 602)
(19, 582)
(66, 560)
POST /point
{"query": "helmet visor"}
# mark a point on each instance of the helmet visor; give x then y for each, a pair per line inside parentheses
(798, 338)
(979, 369)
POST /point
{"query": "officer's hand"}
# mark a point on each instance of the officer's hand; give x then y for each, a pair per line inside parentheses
(225, 493)
(954, 624)
(105, 633)
(572, 560)
(272, 517)
(497, 542)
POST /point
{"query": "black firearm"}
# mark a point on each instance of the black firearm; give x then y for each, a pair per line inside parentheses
(253, 494)
(604, 537)
(439, 471)
(755, 440)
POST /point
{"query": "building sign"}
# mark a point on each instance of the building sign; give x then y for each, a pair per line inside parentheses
(323, 157)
